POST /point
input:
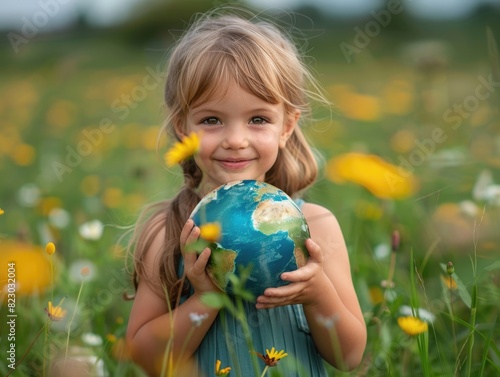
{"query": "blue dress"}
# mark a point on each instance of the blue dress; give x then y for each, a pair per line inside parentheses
(284, 328)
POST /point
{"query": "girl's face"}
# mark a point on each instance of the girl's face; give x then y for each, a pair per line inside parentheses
(240, 136)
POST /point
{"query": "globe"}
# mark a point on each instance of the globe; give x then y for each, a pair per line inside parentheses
(262, 230)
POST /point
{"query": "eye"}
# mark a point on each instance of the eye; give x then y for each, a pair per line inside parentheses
(258, 120)
(212, 121)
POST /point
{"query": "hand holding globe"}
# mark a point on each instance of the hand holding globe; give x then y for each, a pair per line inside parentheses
(261, 228)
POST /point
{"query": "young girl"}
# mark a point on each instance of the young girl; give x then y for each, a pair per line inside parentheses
(241, 86)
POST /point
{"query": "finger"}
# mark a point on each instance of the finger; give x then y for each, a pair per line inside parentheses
(190, 257)
(314, 250)
(265, 301)
(201, 262)
(288, 290)
(302, 274)
(186, 230)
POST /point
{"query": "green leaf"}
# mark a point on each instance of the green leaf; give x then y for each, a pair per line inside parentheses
(246, 295)
(196, 247)
(493, 266)
(462, 290)
(214, 300)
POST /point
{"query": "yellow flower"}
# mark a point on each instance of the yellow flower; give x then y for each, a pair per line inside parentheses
(55, 313)
(381, 178)
(210, 232)
(412, 325)
(50, 248)
(111, 338)
(449, 282)
(183, 150)
(33, 272)
(221, 372)
(1, 211)
(23, 154)
(272, 357)
(362, 107)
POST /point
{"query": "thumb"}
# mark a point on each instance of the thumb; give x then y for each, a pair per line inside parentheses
(315, 254)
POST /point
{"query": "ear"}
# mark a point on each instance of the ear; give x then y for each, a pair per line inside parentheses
(291, 121)
(179, 130)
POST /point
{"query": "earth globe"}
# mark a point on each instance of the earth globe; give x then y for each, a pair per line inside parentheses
(262, 229)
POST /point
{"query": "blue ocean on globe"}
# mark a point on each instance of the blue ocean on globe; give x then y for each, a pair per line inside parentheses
(261, 227)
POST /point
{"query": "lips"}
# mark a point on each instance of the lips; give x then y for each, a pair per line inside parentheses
(234, 164)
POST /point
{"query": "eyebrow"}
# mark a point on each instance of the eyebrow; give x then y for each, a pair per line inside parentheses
(219, 112)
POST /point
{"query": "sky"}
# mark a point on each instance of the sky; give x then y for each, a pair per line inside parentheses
(56, 13)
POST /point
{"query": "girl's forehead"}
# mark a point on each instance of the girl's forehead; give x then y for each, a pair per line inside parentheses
(218, 92)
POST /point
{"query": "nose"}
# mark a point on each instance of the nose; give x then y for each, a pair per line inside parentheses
(235, 137)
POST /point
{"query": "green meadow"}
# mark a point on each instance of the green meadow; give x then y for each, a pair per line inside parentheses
(409, 150)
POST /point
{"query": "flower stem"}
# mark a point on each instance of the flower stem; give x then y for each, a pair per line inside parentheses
(264, 371)
(28, 350)
(247, 334)
(453, 317)
(70, 323)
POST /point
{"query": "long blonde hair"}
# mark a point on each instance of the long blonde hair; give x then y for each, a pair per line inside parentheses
(216, 50)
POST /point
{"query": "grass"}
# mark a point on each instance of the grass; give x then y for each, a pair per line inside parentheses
(57, 88)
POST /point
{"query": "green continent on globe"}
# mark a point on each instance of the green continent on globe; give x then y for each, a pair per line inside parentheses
(261, 228)
(220, 265)
(271, 216)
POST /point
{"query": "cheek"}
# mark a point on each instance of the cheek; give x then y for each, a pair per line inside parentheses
(267, 140)
(206, 146)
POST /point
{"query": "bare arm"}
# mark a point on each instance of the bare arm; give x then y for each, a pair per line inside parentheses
(324, 287)
(152, 328)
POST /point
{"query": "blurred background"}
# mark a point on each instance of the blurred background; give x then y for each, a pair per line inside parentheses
(411, 143)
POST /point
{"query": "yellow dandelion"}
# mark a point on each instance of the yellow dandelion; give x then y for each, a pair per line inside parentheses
(55, 313)
(120, 350)
(34, 278)
(358, 106)
(210, 232)
(369, 211)
(23, 155)
(1, 211)
(50, 248)
(221, 372)
(271, 358)
(381, 178)
(112, 197)
(183, 150)
(376, 295)
(412, 325)
(449, 282)
(111, 338)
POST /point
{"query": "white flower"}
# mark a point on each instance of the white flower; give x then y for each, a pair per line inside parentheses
(197, 319)
(484, 180)
(91, 230)
(28, 195)
(468, 208)
(382, 251)
(75, 270)
(421, 313)
(447, 158)
(91, 339)
(327, 322)
(485, 189)
(59, 218)
(492, 195)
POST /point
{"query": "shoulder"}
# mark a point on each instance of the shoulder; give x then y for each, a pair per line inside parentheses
(323, 226)
(316, 214)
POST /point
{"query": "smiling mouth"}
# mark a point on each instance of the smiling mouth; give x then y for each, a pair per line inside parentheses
(234, 164)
